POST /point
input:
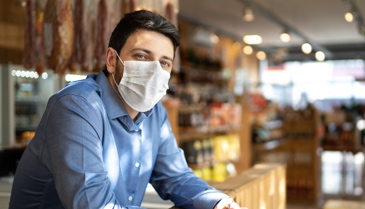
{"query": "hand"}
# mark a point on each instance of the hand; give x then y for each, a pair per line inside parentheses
(228, 203)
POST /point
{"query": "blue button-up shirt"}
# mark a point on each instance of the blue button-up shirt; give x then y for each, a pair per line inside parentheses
(89, 153)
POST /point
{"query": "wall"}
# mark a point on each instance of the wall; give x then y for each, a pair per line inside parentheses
(7, 107)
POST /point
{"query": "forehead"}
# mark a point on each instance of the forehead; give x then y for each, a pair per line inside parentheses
(157, 43)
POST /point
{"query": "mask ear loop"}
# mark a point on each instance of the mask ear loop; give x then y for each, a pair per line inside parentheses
(118, 56)
(114, 80)
(114, 72)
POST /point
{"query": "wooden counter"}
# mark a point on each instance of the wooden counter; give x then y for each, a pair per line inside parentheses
(262, 186)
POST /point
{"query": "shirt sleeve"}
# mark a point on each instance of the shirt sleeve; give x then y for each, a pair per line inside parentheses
(73, 153)
(174, 180)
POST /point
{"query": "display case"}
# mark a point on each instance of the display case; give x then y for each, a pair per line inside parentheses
(24, 101)
(30, 98)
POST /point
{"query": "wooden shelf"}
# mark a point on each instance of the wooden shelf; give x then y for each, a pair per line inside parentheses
(192, 133)
(269, 145)
(184, 134)
(299, 151)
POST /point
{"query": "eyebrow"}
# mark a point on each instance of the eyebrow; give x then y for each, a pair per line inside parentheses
(149, 52)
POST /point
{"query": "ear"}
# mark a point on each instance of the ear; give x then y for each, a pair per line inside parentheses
(110, 60)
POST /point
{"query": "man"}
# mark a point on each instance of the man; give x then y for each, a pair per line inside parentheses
(103, 139)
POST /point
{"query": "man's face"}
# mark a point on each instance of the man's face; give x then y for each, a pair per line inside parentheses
(144, 45)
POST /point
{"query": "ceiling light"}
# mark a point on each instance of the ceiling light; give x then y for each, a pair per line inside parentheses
(306, 48)
(247, 50)
(349, 17)
(252, 39)
(285, 37)
(248, 14)
(261, 55)
(320, 56)
(214, 38)
(236, 45)
(44, 75)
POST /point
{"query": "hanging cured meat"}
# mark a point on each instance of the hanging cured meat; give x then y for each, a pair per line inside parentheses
(29, 36)
(58, 34)
(39, 50)
(127, 6)
(172, 17)
(132, 5)
(101, 33)
(83, 37)
(78, 28)
(169, 12)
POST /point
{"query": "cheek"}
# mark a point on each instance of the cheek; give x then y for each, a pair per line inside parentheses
(119, 72)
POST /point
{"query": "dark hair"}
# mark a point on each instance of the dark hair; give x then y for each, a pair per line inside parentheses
(145, 20)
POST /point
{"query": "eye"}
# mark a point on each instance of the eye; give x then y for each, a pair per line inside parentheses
(141, 57)
(166, 64)
(163, 63)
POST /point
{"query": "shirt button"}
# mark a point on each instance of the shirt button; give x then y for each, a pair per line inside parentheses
(137, 164)
(130, 198)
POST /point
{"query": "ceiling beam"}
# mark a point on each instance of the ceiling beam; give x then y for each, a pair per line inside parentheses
(291, 29)
(213, 28)
(357, 16)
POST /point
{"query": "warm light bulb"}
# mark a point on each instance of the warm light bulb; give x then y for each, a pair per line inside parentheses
(320, 56)
(236, 45)
(306, 48)
(261, 55)
(248, 15)
(285, 37)
(214, 38)
(349, 17)
(247, 50)
(252, 39)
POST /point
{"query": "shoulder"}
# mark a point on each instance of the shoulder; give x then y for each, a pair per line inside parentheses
(82, 88)
(83, 94)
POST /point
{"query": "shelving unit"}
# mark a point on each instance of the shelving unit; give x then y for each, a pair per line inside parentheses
(205, 84)
(219, 140)
(300, 150)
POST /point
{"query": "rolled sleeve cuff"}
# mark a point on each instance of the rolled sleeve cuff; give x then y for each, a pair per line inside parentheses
(208, 199)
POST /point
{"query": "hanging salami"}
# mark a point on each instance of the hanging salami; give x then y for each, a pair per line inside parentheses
(58, 34)
(169, 12)
(78, 28)
(132, 5)
(29, 35)
(101, 34)
(39, 50)
(172, 17)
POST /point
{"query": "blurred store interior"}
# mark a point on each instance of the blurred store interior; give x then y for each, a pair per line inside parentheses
(255, 82)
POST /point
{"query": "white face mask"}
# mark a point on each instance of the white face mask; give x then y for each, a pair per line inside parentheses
(143, 83)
